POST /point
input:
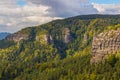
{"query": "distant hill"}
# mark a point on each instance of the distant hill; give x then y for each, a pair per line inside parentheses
(3, 35)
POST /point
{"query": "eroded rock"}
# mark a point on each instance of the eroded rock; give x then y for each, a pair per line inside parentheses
(17, 37)
(105, 44)
(44, 39)
(67, 35)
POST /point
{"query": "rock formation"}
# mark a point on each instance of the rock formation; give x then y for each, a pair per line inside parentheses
(105, 44)
(85, 37)
(17, 37)
(67, 35)
(44, 39)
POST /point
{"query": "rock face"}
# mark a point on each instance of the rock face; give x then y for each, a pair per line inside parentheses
(44, 39)
(67, 35)
(17, 37)
(85, 37)
(105, 44)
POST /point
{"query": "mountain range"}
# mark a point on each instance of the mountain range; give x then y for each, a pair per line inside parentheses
(84, 47)
(3, 35)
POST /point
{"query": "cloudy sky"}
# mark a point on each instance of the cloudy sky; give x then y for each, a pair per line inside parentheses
(18, 14)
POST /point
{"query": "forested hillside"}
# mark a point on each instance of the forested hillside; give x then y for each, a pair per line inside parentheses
(59, 50)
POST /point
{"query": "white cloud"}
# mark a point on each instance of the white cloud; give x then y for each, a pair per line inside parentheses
(1, 21)
(107, 8)
(13, 17)
(66, 8)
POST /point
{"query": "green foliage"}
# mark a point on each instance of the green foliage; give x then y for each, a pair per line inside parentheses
(5, 43)
(32, 60)
(78, 68)
(114, 28)
(112, 59)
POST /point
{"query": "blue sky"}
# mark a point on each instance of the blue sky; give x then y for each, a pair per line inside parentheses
(106, 1)
(21, 3)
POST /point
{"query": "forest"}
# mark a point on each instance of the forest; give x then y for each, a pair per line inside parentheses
(63, 55)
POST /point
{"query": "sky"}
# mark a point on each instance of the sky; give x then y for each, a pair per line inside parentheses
(18, 14)
(106, 1)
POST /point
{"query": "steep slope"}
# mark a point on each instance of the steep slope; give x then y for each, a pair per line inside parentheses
(24, 34)
(105, 44)
(45, 47)
(68, 36)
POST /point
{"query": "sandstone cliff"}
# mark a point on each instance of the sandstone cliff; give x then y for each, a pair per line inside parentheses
(105, 44)
(17, 37)
(67, 35)
(44, 39)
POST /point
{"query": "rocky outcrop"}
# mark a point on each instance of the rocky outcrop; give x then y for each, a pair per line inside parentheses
(105, 44)
(67, 35)
(44, 39)
(17, 37)
(85, 37)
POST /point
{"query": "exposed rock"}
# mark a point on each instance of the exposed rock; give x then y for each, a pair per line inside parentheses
(44, 39)
(67, 35)
(105, 44)
(85, 37)
(17, 37)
